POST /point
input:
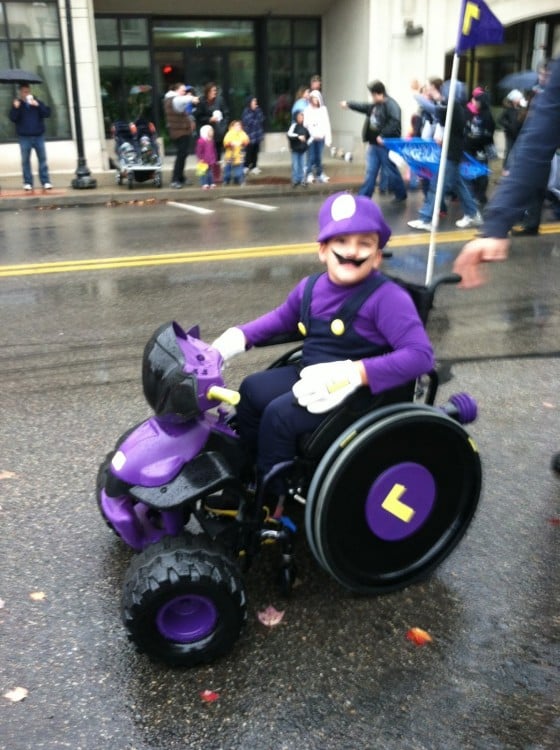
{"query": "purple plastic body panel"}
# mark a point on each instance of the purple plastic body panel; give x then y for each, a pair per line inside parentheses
(202, 360)
(136, 524)
(157, 450)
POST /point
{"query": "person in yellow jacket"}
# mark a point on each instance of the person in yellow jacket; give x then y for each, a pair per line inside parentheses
(236, 141)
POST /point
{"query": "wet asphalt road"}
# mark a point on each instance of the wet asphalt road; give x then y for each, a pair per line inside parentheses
(338, 673)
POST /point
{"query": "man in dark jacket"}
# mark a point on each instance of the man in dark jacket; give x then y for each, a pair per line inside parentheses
(180, 127)
(28, 114)
(536, 145)
(383, 120)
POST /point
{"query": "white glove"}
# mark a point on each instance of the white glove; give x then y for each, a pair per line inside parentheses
(324, 386)
(230, 343)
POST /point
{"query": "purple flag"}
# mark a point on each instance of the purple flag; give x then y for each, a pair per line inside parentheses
(478, 25)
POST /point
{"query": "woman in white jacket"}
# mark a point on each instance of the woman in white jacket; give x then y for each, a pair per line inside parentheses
(316, 119)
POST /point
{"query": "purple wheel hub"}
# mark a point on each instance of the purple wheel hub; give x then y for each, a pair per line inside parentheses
(400, 501)
(187, 618)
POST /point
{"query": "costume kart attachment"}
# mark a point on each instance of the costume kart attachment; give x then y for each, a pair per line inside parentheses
(390, 484)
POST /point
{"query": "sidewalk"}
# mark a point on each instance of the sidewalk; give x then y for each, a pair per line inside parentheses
(274, 179)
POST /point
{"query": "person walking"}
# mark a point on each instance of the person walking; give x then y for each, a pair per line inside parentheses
(252, 120)
(534, 149)
(453, 183)
(383, 120)
(176, 105)
(531, 221)
(535, 146)
(29, 114)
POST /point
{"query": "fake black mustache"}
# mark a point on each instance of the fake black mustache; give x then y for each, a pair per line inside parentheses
(352, 261)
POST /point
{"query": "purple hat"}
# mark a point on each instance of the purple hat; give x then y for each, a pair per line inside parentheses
(343, 213)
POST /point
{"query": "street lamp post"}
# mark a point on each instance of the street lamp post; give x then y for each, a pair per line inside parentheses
(83, 178)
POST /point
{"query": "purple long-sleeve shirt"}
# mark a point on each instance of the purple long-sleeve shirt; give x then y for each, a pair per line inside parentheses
(387, 318)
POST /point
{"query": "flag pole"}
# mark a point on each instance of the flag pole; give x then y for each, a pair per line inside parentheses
(441, 172)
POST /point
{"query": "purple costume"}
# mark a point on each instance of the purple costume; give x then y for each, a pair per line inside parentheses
(386, 333)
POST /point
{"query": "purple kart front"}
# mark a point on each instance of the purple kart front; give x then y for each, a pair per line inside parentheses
(413, 471)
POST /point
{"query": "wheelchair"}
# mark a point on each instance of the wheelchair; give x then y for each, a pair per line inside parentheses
(390, 484)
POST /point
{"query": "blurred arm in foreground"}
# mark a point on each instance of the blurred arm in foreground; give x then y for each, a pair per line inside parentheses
(538, 140)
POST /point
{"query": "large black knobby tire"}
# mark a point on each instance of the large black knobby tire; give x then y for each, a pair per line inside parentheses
(183, 601)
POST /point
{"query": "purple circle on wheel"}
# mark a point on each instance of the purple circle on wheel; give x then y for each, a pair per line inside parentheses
(400, 501)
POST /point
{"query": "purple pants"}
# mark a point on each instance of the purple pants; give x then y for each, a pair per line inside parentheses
(270, 420)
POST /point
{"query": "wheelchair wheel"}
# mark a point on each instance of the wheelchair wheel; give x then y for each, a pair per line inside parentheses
(392, 498)
(183, 601)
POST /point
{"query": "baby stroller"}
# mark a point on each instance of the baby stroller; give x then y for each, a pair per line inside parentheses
(138, 157)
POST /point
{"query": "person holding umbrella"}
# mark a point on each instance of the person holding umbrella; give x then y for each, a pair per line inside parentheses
(29, 114)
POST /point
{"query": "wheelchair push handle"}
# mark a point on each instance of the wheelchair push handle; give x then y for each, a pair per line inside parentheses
(225, 395)
(448, 278)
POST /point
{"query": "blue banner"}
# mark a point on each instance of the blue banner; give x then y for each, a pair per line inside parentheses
(423, 157)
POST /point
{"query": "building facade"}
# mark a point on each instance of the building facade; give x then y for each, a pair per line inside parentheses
(107, 60)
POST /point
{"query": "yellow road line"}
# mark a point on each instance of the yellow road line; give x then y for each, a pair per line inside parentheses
(209, 256)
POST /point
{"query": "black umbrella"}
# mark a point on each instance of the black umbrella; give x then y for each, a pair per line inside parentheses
(524, 80)
(16, 75)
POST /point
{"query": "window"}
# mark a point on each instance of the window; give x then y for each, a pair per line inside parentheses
(267, 57)
(124, 69)
(30, 39)
(293, 57)
(202, 33)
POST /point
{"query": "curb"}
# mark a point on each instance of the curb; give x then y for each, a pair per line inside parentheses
(14, 200)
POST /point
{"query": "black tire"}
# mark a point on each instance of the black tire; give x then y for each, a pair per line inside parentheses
(130, 181)
(358, 529)
(183, 601)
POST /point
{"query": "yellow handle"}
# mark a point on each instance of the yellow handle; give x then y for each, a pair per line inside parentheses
(227, 395)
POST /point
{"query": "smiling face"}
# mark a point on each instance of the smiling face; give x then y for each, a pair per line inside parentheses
(350, 258)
